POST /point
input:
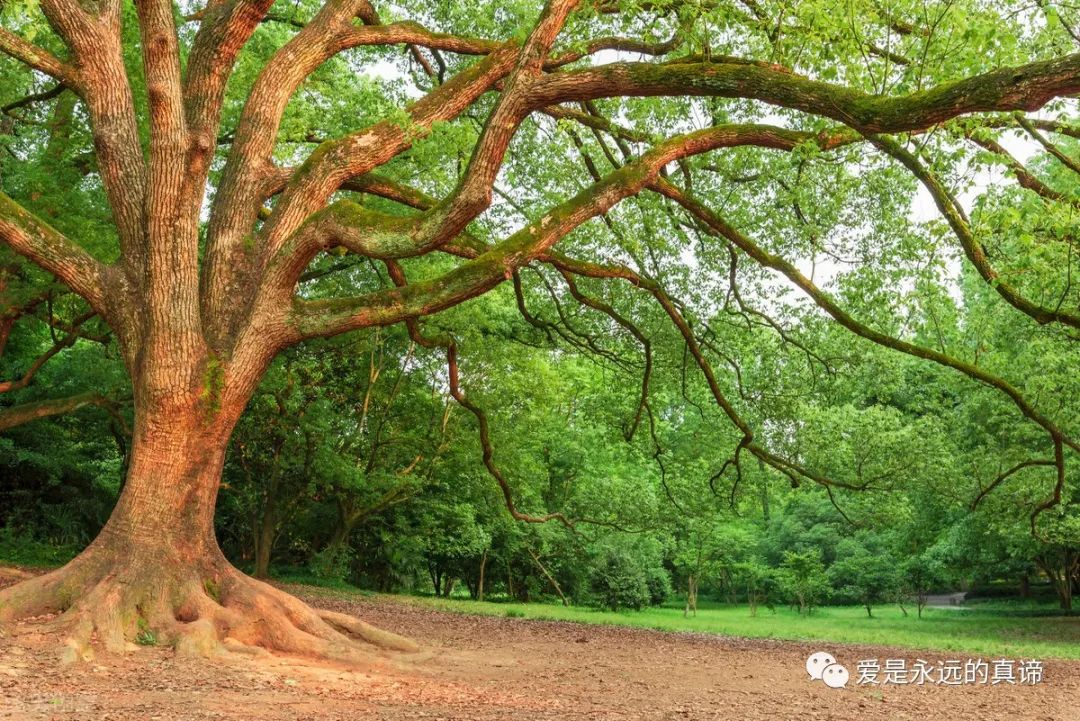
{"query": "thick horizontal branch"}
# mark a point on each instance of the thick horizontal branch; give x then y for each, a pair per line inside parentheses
(26, 412)
(349, 225)
(1027, 87)
(625, 45)
(411, 33)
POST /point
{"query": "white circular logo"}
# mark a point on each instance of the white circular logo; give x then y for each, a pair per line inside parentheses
(835, 676)
(817, 663)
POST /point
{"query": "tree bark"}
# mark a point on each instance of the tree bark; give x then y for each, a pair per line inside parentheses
(691, 596)
(264, 538)
(480, 583)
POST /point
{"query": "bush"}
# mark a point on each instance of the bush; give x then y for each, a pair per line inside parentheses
(618, 581)
(659, 584)
(331, 564)
(23, 550)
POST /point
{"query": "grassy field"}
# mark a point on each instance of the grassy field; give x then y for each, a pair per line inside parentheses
(1009, 629)
(988, 630)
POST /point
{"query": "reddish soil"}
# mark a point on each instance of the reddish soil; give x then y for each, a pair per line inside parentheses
(478, 668)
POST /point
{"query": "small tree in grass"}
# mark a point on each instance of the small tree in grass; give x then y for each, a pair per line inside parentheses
(803, 579)
(919, 575)
(863, 575)
(759, 581)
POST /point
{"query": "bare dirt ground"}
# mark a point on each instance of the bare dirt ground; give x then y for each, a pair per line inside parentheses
(478, 668)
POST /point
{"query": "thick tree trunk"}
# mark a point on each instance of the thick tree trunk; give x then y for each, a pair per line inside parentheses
(337, 538)
(343, 529)
(156, 564)
(266, 528)
(164, 518)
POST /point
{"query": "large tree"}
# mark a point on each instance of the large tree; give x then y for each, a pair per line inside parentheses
(209, 280)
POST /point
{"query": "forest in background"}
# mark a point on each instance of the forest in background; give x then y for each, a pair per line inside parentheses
(354, 464)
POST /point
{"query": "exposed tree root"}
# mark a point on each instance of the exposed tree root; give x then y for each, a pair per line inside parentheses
(111, 606)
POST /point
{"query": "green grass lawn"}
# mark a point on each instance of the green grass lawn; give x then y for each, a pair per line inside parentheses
(981, 631)
(1012, 629)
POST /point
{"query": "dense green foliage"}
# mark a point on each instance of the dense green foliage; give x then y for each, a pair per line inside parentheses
(353, 464)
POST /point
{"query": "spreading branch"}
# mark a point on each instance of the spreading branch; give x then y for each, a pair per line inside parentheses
(39, 242)
(973, 249)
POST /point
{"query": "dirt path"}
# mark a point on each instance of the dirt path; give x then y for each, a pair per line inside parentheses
(485, 668)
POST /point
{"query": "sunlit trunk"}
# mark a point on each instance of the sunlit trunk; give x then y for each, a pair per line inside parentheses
(165, 512)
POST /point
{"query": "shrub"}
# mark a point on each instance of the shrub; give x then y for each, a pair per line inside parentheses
(618, 581)
(658, 582)
(331, 564)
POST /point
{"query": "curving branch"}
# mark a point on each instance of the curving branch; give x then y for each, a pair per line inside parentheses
(224, 28)
(329, 33)
(496, 264)
(92, 34)
(39, 242)
(229, 264)
(973, 249)
(624, 45)
(1024, 177)
(448, 343)
(44, 95)
(1051, 148)
(632, 329)
(37, 58)
(769, 260)
(474, 190)
(73, 334)
(1006, 474)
